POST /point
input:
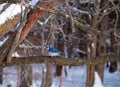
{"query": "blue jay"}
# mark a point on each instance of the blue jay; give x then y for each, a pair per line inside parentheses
(53, 51)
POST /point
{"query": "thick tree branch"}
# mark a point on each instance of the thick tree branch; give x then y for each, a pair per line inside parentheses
(10, 1)
(8, 25)
(33, 16)
(81, 26)
(60, 61)
(6, 47)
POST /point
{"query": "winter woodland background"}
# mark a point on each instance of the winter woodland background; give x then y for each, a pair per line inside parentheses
(87, 31)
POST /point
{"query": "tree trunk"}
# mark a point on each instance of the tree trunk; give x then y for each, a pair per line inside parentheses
(25, 71)
(1, 75)
(101, 44)
(43, 75)
(60, 46)
(43, 52)
(48, 80)
(25, 76)
(91, 48)
(90, 68)
(114, 41)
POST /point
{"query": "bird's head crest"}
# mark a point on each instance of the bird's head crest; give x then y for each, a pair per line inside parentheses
(47, 46)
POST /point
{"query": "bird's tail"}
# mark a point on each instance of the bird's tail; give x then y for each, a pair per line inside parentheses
(62, 53)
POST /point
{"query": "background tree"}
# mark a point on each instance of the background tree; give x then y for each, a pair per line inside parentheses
(82, 29)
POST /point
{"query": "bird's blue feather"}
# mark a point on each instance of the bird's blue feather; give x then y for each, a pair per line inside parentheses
(54, 50)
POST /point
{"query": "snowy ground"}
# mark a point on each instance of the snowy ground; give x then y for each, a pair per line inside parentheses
(76, 77)
(111, 79)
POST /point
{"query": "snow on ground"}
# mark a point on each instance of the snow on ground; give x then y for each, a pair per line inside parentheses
(15, 54)
(97, 82)
(9, 77)
(76, 77)
(111, 79)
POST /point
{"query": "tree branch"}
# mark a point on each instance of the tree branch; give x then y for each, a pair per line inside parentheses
(61, 61)
(8, 25)
(17, 37)
(32, 18)
(10, 1)
(4, 49)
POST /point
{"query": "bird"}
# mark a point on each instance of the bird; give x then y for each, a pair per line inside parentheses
(53, 51)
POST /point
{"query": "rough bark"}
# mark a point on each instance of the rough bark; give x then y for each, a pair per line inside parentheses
(61, 61)
(43, 75)
(1, 75)
(25, 76)
(48, 79)
(43, 65)
(34, 15)
(101, 46)
(92, 46)
(8, 25)
(6, 47)
(90, 68)
(10, 1)
(114, 41)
